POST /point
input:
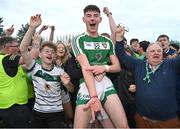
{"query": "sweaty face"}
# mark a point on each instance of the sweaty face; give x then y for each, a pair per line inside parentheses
(92, 20)
(154, 54)
(164, 43)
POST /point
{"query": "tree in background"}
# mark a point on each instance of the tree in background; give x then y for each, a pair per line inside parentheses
(175, 42)
(1, 20)
(22, 31)
(1, 26)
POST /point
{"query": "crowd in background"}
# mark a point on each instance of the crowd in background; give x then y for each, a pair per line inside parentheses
(42, 82)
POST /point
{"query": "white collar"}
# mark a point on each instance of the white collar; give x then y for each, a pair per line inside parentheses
(154, 69)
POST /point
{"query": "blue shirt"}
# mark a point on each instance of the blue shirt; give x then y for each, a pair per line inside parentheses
(157, 99)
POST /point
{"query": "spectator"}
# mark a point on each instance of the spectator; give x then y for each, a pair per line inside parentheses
(174, 46)
(13, 87)
(47, 111)
(62, 56)
(143, 45)
(112, 23)
(134, 43)
(156, 85)
(164, 42)
(124, 80)
(45, 27)
(7, 32)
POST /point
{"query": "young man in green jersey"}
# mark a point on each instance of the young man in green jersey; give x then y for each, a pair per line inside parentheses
(93, 52)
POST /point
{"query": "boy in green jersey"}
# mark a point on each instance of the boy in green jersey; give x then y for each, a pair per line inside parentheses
(93, 52)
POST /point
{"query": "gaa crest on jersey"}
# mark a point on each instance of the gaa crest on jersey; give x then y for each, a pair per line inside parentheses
(98, 56)
(96, 45)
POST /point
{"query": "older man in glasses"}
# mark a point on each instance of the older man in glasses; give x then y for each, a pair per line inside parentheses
(13, 87)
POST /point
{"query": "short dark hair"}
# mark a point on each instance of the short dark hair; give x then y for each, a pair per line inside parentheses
(6, 39)
(133, 40)
(144, 44)
(91, 8)
(162, 36)
(48, 44)
(174, 46)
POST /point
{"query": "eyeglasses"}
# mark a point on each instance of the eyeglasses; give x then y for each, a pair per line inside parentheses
(125, 27)
(48, 51)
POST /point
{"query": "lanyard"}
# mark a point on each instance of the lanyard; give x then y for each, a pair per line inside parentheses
(148, 74)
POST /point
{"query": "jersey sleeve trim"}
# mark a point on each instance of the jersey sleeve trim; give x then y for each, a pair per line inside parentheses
(76, 46)
(31, 67)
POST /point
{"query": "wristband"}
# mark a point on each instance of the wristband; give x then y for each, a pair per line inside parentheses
(106, 68)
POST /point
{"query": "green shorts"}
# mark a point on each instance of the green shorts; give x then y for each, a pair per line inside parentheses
(103, 89)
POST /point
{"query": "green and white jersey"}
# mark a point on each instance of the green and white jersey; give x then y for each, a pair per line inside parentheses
(97, 49)
(47, 87)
